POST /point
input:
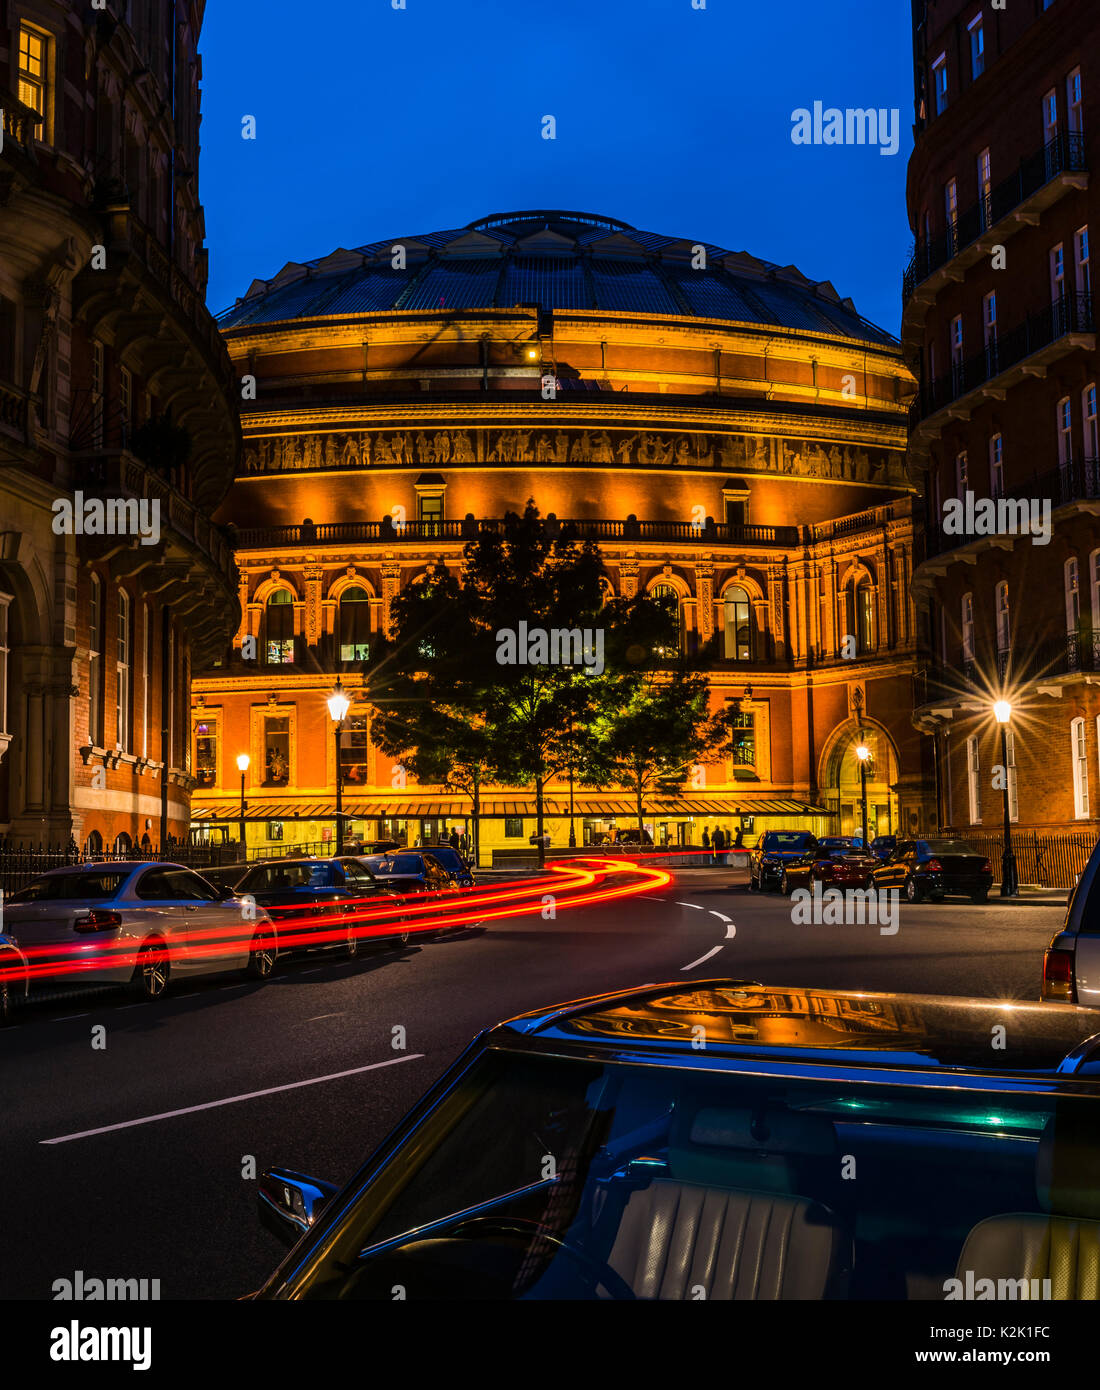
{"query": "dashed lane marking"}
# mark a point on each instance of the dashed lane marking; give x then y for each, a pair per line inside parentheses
(712, 952)
(694, 905)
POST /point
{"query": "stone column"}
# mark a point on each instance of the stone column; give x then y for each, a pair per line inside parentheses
(704, 591)
(628, 575)
(312, 626)
(391, 585)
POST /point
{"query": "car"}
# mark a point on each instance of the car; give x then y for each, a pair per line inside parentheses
(225, 875)
(836, 861)
(1071, 964)
(593, 1151)
(453, 864)
(883, 846)
(772, 850)
(14, 978)
(316, 895)
(412, 872)
(137, 923)
(933, 868)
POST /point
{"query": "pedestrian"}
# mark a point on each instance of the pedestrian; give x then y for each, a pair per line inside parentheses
(740, 840)
(717, 840)
(454, 841)
(706, 837)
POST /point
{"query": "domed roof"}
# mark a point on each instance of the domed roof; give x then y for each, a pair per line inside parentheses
(555, 260)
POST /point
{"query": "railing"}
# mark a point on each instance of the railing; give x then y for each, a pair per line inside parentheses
(1070, 314)
(1046, 660)
(1046, 860)
(469, 529)
(13, 409)
(20, 121)
(22, 864)
(1075, 480)
(1064, 154)
(849, 525)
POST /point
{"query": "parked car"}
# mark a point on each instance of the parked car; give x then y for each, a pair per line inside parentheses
(772, 851)
(883, 846)
(453, 864)
(134, 923)
(413, 872)
(933, 868)
(718, 1172)
(1071, 965)
(835, 860)
(14, 981)
(226, 875)
(315, 894)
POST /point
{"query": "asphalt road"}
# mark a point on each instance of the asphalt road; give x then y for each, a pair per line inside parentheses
(166, 1198)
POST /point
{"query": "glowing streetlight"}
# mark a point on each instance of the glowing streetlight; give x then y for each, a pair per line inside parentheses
(863, 753)
(243, 761)
(338, 706)
(1010, 883)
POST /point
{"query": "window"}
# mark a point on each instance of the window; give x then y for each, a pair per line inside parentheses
(1081, 260)
(1057, 273)
(985, 188)
(276, 751)
(861, 614)
(5, 651)
(1065, 430)
(1010, 775)
(968, 627)
(1094, 591)
(34, 75)
(962, 475)
(951, 209)
(736, 510)
(279, 628)
(169, 715)
(743, 738)
(939, 83)
(430, 511)
(977, 47)
(95, 662)
(97, 395)
(1088, 414)
(738, 625)
(1075, 119)
(1003, 617)
(974, 780)
(123, 644)
(354, 625)
(274, 830)
(206, 754)
(513, 828)
(1079, 754)
(957, 341)
(1050, 116)
(996, 466)
(989, 318)
(1072, 595)
(126, 396)
(667, 595)
(353, 750)
(146, 674)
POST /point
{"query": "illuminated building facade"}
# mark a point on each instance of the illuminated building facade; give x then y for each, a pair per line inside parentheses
(115, 386)
(999, 320)
(731, 433)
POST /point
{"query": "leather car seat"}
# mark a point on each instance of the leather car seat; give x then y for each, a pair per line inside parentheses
(727, 1223)
(1063, 1245)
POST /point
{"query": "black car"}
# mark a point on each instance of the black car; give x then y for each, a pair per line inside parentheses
(883, 846)
(411, 871)
(682, 1173)
(933, 868)
(772, 851)
(317, 895)
(453, 864)
(836, 860)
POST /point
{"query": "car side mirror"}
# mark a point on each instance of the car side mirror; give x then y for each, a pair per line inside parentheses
(290, 1202)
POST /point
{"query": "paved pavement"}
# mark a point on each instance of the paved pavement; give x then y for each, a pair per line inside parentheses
(135, 1160)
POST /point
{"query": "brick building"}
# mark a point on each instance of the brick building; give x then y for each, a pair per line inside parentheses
(118, 427)
(731, 433)
(999, 322)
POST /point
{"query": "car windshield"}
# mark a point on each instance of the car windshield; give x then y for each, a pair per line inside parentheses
(784, 839)
(946, 847)
(836, 847)
(547, 1178)
(395, 864)
(97, 885)
(266, 878)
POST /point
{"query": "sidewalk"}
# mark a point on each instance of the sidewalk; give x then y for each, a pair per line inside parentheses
(1032, 895)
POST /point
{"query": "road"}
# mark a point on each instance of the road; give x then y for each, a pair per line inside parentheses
(221, 1064)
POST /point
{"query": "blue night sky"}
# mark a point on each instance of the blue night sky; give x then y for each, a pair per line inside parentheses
(374, 122)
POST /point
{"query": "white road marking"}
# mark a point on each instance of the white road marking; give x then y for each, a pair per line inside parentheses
(694, 905)
(317, 1017)
(731, 932)
(652, 900)
(69, 1018)
(232, 1100)
(712, 952)
(720, 915)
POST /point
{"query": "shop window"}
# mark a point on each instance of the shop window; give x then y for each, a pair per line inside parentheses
(274, 830)
(513, 827)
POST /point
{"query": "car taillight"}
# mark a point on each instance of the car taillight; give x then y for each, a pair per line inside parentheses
(97, 920)
(934, 866)
(1058, 977)
(987, 867)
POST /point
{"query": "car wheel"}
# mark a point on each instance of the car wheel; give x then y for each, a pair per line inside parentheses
(913, 892)
(261, 957)
(150, 980)
(982, 897)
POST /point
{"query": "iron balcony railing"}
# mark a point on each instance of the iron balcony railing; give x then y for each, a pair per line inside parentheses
(1065, 154)
(1049, 658)
(470, 528)
(1070, 314)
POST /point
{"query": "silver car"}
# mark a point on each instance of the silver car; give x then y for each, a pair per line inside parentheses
(135, 923)
(1071, 966)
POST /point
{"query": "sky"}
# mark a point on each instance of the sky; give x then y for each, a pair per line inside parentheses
(373, 122)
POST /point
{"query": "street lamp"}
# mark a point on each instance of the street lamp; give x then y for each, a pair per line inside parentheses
(338, 705)
(242, 763)
(863, 753)
(1010, 885)
(572, 822)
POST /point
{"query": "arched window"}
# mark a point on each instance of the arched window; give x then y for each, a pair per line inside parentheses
(738, 625)
(354, 625)
(93, 845)
(123, 843)
(860, 604)
(667, 595)
(279, 628)
(1079, 754)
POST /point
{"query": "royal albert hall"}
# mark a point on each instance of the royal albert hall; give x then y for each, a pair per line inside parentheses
(731, 433)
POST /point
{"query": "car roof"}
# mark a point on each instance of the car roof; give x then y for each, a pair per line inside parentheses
(744, 1019)
(122, 866)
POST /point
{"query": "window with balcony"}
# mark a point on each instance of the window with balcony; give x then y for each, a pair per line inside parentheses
(968, 627)
(977, 47)
(1075, 109)
(1081, 260)
(1088, 416)
(666, 595)
(1065, 430)
(957, 341)
(985, 188)
(1050, 116)
(123, 649)
(996, 466)
(951, 212)
(5, 654)
(989, 318)
(1057, 273)
(974, 780)
(738, 625)
(939, 83)
(354, 625)
(95, 662)
(279, 628)
(430, 511)
(1094, 591)
(34, 76)
(1078, 745)
(1071, 582)
(962, 475)
(1003, 615)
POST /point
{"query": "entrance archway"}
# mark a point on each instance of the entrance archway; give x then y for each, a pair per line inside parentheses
(839, 780)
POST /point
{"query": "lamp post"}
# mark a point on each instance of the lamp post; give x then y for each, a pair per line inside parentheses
(338, 705)
(572, 823)
(1010, 886)
(863, 753)
(243, 761)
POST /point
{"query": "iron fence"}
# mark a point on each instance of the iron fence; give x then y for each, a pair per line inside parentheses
(1042, 859)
